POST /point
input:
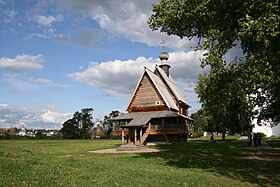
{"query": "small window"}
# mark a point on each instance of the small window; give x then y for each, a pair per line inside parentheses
(157, 102)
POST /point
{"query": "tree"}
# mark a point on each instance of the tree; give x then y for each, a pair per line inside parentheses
(70, 129)
(220, 25)
(98, 130)
(79, 126)
(12, 131)
(201, 121)
(39, 134)
(107, 122)
(86, 122)
(225, 101)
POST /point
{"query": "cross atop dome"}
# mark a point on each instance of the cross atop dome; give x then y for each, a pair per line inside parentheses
(162, 44)
(163, 58)
(163, 55)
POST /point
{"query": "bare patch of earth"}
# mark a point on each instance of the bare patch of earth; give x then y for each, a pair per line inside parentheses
(115, 151)
(73, 155)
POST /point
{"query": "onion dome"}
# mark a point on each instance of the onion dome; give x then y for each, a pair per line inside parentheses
(163, 56)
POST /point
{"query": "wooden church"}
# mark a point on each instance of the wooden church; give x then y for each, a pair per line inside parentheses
(157, 111)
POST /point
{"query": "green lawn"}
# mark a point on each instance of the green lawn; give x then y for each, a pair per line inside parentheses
(196, 163)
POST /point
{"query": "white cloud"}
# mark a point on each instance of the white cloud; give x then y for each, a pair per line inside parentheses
(47, 21)
(86, 37)
(20, 82)
(48, 82)
(46, 34)
(186, 66)
(62, 85)
(22, 62)
(119, 78)
(127, 19)
(42, 81)
(130, 21)
(33, 117)
(115, 77)
(117, 18)
(9, 15)
(49, 116)
(38, 35)
(2, 2)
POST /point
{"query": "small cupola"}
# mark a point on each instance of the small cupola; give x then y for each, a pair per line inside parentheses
(164, 66)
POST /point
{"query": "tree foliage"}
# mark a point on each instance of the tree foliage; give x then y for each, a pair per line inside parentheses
(231, 89)
(79, 126)
(201, 122)
(225, 100)
(220, 23)
(107, 122)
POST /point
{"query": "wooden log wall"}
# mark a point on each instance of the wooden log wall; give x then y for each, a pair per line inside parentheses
(146, 97)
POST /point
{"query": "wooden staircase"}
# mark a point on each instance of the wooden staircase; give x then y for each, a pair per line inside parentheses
(146, 133)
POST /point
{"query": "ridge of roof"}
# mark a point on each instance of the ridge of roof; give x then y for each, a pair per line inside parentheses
(160, 86)
(172, 85)
(162, 90)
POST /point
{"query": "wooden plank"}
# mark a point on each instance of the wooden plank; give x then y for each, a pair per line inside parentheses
(119, 132)
(146, 95)
(147, 108)
(166, 132)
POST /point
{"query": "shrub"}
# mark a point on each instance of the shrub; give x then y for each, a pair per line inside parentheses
(197, 134)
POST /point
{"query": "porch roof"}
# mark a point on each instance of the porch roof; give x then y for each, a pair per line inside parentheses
(142, 118)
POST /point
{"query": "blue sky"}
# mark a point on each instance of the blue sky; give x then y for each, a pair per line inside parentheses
(59, 56)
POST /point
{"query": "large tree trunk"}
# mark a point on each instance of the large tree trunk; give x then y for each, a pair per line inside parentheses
(224, 136)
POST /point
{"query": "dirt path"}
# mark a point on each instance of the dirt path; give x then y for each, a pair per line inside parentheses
(115, 151)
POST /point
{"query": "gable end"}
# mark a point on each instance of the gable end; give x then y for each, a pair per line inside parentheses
(146, 97)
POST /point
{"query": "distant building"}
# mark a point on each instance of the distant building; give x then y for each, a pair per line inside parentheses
(157, 110)
(267, 127)
(51, 133)
(22, 132)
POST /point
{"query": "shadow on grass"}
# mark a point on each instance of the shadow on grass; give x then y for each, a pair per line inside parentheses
(232, 159)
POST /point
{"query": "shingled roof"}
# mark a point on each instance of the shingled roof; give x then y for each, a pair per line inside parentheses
(165, 86)
(142, 118)
(172, 85)
(162, 89)
(160, 86)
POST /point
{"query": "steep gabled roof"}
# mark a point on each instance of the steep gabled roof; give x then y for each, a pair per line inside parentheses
(172, 85)
(161, 88)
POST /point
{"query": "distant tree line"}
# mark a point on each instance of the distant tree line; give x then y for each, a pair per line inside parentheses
(7, 133)
(24, 133)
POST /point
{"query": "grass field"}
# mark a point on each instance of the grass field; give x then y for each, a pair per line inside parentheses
(196, 163)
